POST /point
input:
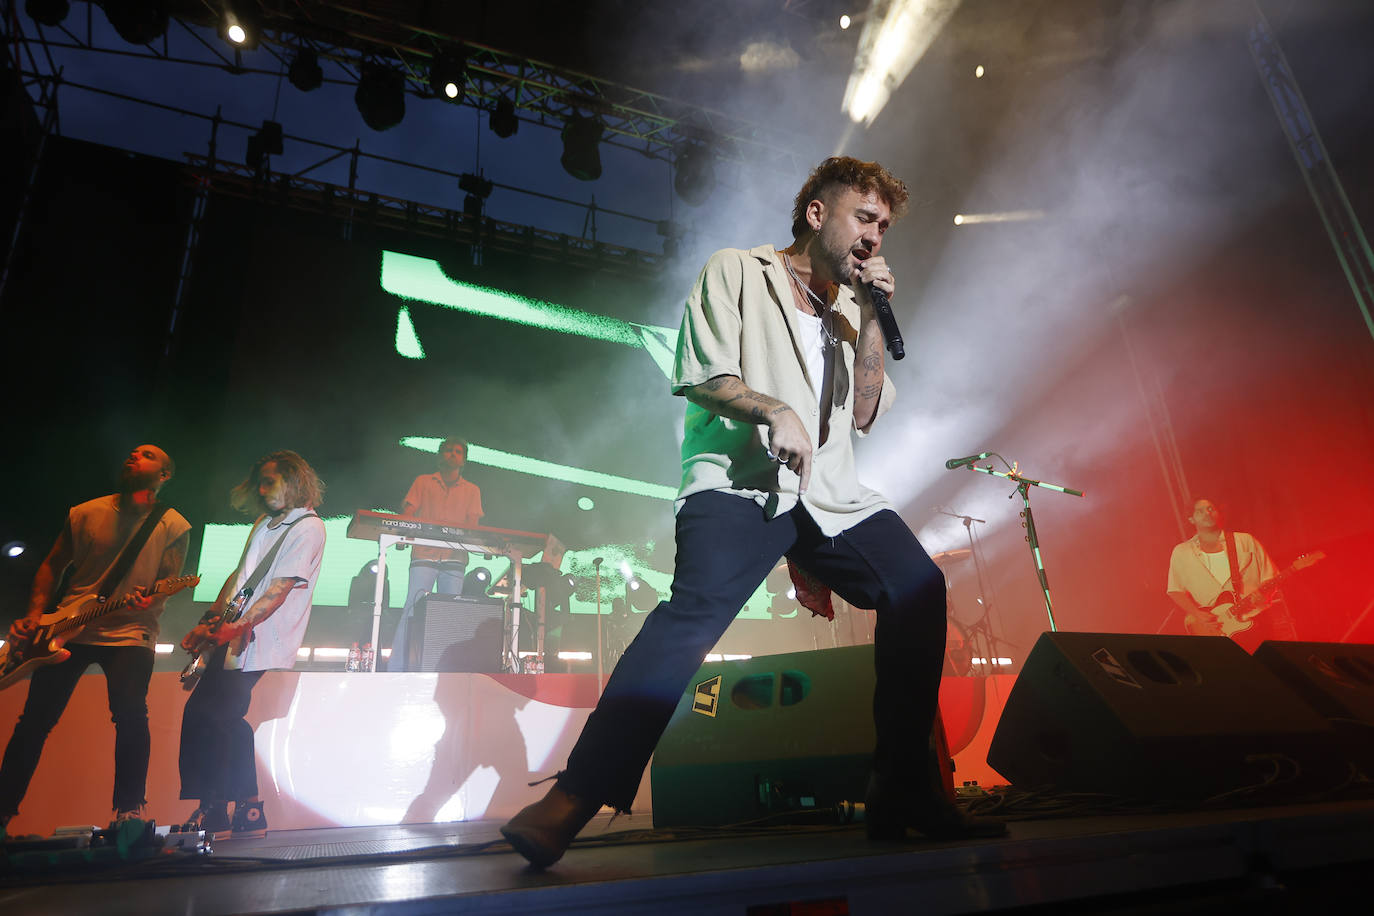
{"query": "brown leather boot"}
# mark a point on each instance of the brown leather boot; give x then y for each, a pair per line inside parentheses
(893, 806)
(543, 831)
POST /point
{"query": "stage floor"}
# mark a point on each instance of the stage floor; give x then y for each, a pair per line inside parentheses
(1191, 861)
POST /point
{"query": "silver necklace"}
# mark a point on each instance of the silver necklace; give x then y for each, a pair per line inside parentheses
(821, 310)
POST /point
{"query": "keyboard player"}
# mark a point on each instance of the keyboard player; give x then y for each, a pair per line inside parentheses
(447, 497)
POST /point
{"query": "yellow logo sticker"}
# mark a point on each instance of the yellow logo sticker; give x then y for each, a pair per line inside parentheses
(706, 697)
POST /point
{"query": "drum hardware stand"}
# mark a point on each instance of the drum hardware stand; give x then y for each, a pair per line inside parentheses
(1023, 485)
(982, 627)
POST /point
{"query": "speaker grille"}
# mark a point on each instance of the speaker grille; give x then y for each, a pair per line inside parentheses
(459, 634)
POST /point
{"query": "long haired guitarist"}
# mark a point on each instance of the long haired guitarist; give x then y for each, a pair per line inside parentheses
(1213, 573)
(276, 575)
(90, 550)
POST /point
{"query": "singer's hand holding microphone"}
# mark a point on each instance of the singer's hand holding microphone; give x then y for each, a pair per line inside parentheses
(876, 277)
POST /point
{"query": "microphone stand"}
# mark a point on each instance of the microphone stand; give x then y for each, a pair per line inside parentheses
(982, 627)
(596, 564)
(1023, 485)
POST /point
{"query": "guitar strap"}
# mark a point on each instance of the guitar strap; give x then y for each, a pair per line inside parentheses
(130, 553)
(266, 562)
(1237, 587)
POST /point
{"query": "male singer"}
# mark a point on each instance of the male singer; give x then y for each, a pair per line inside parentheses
(780, 356)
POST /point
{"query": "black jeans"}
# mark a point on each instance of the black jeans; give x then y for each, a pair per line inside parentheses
(217, 762)
(128, 670)
(725, 548)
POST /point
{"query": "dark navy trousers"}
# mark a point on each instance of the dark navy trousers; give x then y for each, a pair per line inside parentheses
(725, 548)
(128, 670)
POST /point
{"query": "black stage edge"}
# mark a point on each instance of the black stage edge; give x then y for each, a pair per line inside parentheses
(1275, 859)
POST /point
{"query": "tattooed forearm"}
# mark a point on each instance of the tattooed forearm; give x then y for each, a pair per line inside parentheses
(868, 373)
(727, 396)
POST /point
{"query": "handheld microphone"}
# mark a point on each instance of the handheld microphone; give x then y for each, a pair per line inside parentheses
(887, 321)
(953, 463)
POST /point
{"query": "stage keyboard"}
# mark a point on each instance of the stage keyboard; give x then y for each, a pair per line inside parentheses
(369, 526)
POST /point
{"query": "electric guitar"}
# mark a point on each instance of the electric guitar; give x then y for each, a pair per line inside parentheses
(44, 647)
(190, 675)
(1238, 616)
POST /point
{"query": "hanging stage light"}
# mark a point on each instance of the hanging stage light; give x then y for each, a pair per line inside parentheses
(381, 96)
(672, 237)
(478, 190)
(502, 119)
(240, 24)
(694, 173)
(305, 73)
(266, 142)
(137, 21)
(448, 75)
(581, 147)
(48, 12)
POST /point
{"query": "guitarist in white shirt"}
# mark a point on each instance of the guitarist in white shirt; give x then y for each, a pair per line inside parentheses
(217, 760)
(121, 643)
(1200, 575)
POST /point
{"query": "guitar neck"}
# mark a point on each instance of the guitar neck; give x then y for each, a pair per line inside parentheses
(80, 620)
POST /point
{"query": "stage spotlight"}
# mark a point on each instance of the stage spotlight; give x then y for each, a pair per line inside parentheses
(502, 119)
(381, 96)
(694, 173)
(305, 73)
(581, 147)
(475, 583)
(671, 230)
(240, 24)
(137, 21)
(48, 12)
(15, 549)
(448, 75)
(642, 596)
(362, 588)
(266, 142)
(254, 157)
(478, 190)
(271, 136)
(845, 21)
(559, 589)
(978, 72)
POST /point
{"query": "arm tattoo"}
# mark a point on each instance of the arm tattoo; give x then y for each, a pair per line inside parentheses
(173, 559)
(870, 391)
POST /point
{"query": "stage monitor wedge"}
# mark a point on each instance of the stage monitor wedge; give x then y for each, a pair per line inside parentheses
(1335, 679)
(774, 737)
(1157, 718)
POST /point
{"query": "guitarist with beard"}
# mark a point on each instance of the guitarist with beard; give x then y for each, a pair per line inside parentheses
(87, 551)
(1201, 578)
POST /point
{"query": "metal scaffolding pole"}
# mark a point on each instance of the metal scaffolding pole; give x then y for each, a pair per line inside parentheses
(1299, 128)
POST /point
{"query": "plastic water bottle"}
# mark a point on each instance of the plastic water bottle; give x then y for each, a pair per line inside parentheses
(368, 657)
(355, 659)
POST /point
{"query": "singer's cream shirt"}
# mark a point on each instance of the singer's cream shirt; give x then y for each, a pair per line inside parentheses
(740, 320)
